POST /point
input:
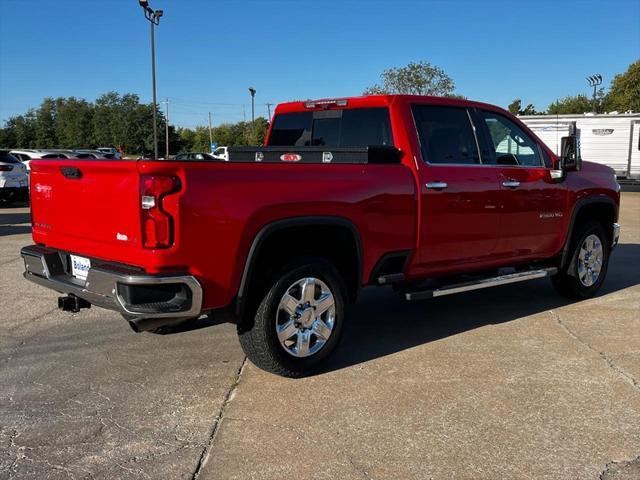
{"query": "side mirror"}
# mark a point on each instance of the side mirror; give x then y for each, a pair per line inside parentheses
(570, 160)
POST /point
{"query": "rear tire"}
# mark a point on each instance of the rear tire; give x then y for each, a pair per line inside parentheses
(584, 273)
(299, 321)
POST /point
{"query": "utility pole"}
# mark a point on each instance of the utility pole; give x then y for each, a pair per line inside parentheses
(210, 133)
(269, 110)
(166, 127)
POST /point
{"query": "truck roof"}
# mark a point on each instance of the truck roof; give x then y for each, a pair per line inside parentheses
(376, 101)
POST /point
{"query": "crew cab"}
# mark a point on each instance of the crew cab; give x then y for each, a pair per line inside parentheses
(433, 196)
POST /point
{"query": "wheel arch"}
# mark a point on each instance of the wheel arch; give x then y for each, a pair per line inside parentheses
(278, 227)
(601, 208)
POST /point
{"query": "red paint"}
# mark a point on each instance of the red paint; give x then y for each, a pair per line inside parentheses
(220, 207)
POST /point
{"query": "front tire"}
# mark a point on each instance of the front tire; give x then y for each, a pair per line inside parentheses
(299, 321)
(586, 270)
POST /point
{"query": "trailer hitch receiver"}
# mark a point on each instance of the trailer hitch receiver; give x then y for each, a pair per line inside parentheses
(71, 303)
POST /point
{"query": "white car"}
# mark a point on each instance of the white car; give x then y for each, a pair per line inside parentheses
(221, 153)
(25, 156)
(14, 182)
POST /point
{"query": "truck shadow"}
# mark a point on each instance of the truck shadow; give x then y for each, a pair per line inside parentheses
(382, 324)
(14, 223)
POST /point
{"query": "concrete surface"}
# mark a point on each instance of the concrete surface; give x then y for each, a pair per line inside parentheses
(511, 382)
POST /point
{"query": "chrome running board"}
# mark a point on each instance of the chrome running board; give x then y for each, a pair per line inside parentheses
(483, 283)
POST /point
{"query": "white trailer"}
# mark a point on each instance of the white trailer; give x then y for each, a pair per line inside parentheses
(611, 139)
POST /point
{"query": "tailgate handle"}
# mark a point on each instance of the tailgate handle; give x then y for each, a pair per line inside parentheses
(71, 172)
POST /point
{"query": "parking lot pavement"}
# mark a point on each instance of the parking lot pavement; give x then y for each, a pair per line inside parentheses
(511, 382)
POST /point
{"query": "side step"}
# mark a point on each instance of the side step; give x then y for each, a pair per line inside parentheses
(484, 283)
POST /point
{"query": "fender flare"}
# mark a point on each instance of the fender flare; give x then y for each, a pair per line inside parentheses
(579, 205)
(282, 224)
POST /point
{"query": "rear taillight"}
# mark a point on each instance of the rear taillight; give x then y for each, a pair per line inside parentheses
(157, 224)
(5, 168)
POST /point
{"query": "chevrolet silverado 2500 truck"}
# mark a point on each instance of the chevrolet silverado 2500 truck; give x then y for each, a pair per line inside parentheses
(433, 196)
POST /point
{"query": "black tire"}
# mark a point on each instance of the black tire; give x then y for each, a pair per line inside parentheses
(567, 282)
(259, 339)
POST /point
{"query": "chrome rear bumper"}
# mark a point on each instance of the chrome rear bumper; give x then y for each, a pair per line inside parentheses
(117, 287)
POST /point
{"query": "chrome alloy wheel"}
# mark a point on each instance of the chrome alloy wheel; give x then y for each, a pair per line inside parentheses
(590, 259)
(305, 317)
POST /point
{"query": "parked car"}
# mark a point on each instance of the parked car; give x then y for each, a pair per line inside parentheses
(13, 178)
(195, 156)
(434, 196)
(111, 151)
(25, 156)
(94, 154)
(221, 153)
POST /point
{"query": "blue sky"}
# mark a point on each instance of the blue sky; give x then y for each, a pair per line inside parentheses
(210, 52)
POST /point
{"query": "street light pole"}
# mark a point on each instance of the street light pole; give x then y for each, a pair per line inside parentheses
(252, 91)
(594, 81)
(154, 19)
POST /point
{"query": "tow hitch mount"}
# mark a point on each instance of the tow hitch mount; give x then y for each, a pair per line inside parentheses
(71, 303)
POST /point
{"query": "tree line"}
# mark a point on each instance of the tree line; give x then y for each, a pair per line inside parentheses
(116, 120)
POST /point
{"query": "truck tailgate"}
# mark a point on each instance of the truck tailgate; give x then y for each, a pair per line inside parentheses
(83, 203)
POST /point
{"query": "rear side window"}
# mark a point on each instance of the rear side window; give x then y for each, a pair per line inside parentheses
(359, 127)
(445, 135)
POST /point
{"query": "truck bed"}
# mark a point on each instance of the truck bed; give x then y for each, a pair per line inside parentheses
(95, 211)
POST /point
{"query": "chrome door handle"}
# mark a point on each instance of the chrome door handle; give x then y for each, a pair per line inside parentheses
(436, 185)
(511, 184)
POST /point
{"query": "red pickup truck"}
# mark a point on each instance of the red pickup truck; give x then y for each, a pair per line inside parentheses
(433, 196)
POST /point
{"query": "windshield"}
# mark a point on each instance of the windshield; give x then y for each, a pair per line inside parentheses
(359, 127)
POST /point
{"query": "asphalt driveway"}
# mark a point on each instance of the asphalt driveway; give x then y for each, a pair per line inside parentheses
(510, 382)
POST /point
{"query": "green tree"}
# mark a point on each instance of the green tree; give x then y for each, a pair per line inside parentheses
(515, 107)
(73, 123)
(576, 104)
(20, 131)
(417, 78)
(624, 93)
(45, 124)
(258, 131)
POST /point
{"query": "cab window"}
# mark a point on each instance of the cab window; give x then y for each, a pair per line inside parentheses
(509, 144)
(357, 127)
(445, 135)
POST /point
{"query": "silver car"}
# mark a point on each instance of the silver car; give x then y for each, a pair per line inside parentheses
(14, 182)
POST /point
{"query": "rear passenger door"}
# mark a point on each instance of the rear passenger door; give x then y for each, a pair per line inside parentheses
(532, 203)
(458, 195)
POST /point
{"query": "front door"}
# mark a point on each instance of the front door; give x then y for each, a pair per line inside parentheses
(532, 203)
(458, 196)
